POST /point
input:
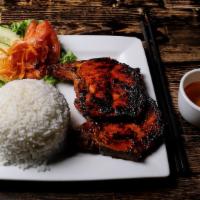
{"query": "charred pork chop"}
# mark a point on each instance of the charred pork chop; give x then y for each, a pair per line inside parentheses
(105, 89)
(126, 140)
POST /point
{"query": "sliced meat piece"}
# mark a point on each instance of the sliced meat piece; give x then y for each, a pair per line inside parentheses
(126, 140)
(105, 89)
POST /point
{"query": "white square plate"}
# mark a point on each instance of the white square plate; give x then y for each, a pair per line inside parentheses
(84, 167)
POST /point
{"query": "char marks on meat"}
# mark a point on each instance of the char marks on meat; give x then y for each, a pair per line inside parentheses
(123, 122)
(105, 89)
(126, 140)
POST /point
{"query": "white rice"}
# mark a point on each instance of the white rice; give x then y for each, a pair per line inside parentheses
(34, 118)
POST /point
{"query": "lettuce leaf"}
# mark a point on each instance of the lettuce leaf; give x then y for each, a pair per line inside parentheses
(50, 80)
(2, 83)
(20, 27)
(67, 57)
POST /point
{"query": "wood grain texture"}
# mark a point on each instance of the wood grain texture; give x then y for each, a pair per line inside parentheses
(178, 36)
(178, 190)
(182, 4)
(183, 43)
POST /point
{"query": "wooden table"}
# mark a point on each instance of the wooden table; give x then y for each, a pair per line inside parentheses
(178, 36)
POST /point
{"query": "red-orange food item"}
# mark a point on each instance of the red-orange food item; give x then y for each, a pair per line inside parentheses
(127, 140)
(105, 88)
(27, 58)
(122, 121)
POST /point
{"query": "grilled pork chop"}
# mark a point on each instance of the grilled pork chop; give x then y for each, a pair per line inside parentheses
(105, 89)
(126, 140)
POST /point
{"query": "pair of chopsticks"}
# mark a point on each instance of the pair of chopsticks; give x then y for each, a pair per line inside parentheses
(176, 154)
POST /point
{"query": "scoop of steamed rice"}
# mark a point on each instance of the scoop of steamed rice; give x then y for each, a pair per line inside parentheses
(34, 118)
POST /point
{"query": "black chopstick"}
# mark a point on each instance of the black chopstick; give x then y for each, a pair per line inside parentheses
(172, 131)
(161, 3)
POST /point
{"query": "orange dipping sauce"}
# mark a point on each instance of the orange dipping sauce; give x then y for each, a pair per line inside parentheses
(193, 92)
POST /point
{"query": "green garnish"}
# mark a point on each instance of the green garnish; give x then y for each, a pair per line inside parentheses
(20, 27)
(2, 83)
(67, 57)
(50, 80)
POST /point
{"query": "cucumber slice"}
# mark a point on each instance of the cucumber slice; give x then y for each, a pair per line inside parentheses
(4, 46)
(7, 36)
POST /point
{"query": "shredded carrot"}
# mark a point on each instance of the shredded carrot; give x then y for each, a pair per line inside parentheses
(22, 70)
(39, 44)
(16, 61)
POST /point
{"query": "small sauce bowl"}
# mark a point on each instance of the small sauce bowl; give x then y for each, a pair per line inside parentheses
(189, 110)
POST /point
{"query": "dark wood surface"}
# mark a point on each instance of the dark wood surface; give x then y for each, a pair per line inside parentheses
(178, 36)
